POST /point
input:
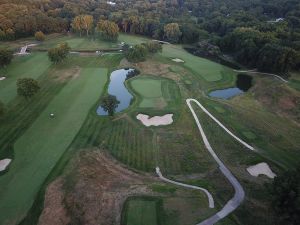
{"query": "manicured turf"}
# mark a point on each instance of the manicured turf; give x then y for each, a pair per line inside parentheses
(39, 149)
(29, 66)
(141, 211)
(132, 39)
(155, 92)
(78, 43)
(207, 70)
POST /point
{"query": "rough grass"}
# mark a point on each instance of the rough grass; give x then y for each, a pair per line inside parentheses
(41, 146)
(28, 66)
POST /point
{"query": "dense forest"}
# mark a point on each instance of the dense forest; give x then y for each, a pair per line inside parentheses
(257, 34)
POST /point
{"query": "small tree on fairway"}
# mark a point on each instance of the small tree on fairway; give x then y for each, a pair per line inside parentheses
(27, 87)
(40, 36)
(59, 53)
(2, 109)
(6, 56)
(137, 53)
(109, 103)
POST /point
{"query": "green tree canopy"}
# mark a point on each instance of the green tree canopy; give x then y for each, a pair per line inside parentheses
(6, 56)
(2, 109)
(39, 36)
(137, 53)
(286, 196)
(109, 103)
(108, 30)
(59, 53)
(27, 87)
(172, 32)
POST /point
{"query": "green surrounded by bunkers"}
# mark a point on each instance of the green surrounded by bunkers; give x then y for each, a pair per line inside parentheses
(42, 145)
(155, 92)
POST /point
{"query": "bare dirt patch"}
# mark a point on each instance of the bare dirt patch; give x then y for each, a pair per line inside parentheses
(54, 211)
(95, 190)
(66, 74)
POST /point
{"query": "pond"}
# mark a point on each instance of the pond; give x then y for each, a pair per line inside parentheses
(243, 83)
(117, 88)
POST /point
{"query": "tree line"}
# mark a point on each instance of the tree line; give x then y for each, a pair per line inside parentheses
(256, 33)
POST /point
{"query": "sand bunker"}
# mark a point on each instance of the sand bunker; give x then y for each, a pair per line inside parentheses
(2, 78)
(261, 168)
(4, 163)
(178, 60)
(156, 120)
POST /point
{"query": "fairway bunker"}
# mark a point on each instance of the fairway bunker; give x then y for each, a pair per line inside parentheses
(117, 88)
(243, 84)
(261, 168)
(4, 164)
(178, 60)
(2, 78)
(156, 120)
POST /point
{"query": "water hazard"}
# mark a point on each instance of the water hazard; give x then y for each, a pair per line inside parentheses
(117, 88)
(243, 84)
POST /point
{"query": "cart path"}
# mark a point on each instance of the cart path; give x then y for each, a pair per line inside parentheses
(239, 195)
(209, 196)
(270, 74)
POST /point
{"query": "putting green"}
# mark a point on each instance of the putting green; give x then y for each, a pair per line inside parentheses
(208, 70)
(29, 66)
(155, 92)
(42, 145)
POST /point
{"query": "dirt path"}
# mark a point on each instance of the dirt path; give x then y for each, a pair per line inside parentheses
(239, 195)
(269, 74)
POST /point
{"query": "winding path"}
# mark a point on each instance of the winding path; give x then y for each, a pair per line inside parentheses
(239, 195)
(209, 196)
(269, 74)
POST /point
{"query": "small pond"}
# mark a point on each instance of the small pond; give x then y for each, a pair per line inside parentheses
(117, 88)
(243, 83)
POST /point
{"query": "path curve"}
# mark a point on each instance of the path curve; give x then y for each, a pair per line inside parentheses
(239, 194)
(209, 196)
(270, 74)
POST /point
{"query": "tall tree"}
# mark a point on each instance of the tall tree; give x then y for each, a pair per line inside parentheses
(76, 24)
(286, 196)
(109, 103)
(172, 32)
(27, 87)
(59, 53)
(87, 23)
(6, 56)
(108, 30)
(136, 53)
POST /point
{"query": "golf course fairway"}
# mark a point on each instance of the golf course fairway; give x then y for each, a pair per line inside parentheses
(42, 145)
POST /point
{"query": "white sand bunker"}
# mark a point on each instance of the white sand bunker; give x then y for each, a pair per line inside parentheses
(2, 78)
(261, 168)
(156, 120)
(178, 60)
(4, 164)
